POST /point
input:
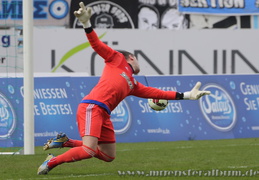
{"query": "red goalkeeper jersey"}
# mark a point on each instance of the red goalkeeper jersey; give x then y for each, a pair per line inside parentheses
(117, 81)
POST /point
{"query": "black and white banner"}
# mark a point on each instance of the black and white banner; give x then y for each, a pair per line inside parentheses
(107, 14)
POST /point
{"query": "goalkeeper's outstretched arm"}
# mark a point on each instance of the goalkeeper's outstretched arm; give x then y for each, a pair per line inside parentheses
(150, 92)
(84, 14)
(195, 93)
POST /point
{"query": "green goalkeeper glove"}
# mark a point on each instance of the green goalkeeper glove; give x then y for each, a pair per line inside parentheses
(195, 94)
(84, 14)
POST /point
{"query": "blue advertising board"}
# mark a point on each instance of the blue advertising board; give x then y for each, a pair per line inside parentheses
(216, 116)
(11, 113)
(220, 7)
(231, 111)
(55, 102)
(45, 12)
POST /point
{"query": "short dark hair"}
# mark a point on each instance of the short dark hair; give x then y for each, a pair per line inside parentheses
(126, 54)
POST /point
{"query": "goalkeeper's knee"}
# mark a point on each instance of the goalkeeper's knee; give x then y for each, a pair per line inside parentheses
(102, 156)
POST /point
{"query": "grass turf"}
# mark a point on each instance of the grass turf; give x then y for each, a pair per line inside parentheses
(189, 159)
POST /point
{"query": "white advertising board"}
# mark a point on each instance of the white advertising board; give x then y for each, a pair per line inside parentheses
(11, 51)
(159, 51)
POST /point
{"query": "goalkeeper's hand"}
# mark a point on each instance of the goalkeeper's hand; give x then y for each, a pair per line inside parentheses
(84, 14)
(195, 93)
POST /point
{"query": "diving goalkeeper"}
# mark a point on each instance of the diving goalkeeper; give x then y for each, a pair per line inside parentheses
(93, 114)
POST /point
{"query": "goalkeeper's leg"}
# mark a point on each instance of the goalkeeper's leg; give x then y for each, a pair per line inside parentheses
(106, 152)
(86, 151)
(106, 149)
(89, 149)
(60, 141)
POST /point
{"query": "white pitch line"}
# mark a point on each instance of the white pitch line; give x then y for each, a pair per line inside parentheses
(240, 167)
(189, 147)
(136, 149)
(237, 167)
(69, 176)
(255, 128)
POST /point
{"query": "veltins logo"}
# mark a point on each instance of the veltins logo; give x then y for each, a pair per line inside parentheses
(218, 108)
(7, 118)
(121, 118)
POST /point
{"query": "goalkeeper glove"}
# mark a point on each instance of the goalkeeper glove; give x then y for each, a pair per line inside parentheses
(195, 94)
(84, 14)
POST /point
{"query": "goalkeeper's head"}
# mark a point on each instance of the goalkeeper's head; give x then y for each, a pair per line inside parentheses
(132, 60)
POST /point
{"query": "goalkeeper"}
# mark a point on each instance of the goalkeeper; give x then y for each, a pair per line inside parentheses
(93, 114)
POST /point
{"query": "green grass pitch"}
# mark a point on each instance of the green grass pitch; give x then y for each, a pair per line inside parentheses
(214, 159)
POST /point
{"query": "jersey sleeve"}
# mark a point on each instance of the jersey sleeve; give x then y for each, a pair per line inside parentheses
(100, 48)
(143, 91)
